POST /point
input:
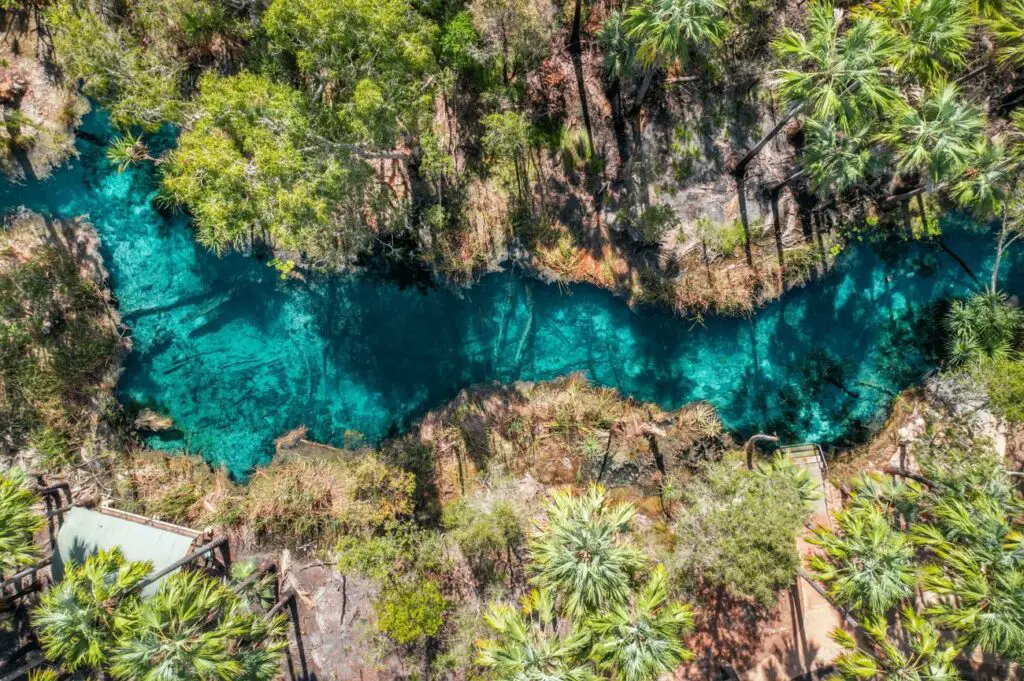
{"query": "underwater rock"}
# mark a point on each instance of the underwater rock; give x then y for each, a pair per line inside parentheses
(151, 421)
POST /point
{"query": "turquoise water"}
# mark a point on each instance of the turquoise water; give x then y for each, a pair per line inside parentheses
(237, 356)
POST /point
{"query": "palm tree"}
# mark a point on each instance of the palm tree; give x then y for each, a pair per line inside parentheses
(936, 140)
(832, 76)
(581, 552)
(666, 31)
(918, 655)
(1008, 29)
(982, 605)
(196, 629)
(532, 644)
(867, 565)
(643, 640)
(930, 37)
(619, 50)
(834, 161)
(836, 76)
(80, 619)
(18, 522)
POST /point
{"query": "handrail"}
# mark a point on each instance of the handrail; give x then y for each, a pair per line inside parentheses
(205, 548)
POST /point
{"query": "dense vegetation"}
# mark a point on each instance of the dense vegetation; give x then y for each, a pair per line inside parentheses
(429, 134)
(417, 131)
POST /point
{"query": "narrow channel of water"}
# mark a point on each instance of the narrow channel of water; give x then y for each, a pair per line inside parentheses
(236, 356)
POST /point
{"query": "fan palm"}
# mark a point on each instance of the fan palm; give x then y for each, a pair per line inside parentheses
(867, 565)
(917, 657)
(982, 605)
(532, 644)
(80, 619)
(667, 31)
(988, 178)
(581, 551)
(619, 50)
(196, 629)
(834, 161)
(929, 37)
(643, 640)
(937, 139)
(836, 75)
(1008, 29)
(18, 522)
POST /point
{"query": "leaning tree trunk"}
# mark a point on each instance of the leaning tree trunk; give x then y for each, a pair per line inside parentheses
(740, 174)
(577, 19)
(642, 92)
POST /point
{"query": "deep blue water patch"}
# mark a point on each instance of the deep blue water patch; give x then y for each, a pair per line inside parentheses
(236, 356)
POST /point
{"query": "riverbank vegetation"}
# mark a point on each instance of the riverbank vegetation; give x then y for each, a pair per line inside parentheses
(628, 146)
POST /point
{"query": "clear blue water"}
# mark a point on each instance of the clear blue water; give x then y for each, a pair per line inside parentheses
(236, 356)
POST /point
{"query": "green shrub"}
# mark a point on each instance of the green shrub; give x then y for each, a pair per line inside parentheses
(488, 539)
(1003, 378)
(412, 612)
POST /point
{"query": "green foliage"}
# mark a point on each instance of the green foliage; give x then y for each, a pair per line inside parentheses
(489, 539)
(667, 31)
(576, 151)
(867, 565)
(507, 136)
(126, 151)
(931, 37)
(515, 33)
(533, 643)
(195, 628)
(654, 222)
(581, 551)
(1008, 29)
(58, 348)
(990, 177)
(983, 326)
(738, 529)
(835, 161)
(81, 620)
(837, 75)
(250, 164)
(917, 655)
(137, 84)
(411, 612)
(458, 41)
(1003, 378)
(642, 640)
(620, 60)
(18, 522)
(301, 500)
(937, 138)
(364, 60)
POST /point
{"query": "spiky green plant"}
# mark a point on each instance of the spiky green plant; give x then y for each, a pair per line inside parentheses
(935, 140)
(989, 178)
(983, 606)
(985, 325)
(1008, 29)
(668, 31)
(80, 619)
(18, 522)
(618, 49)
(835, 161)
(196, 629)
(931, 37)
(916, 656)
(867, 565)
(581, 551)
(836, 75)
(642, 640)
(126, 151)
(532, 644)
